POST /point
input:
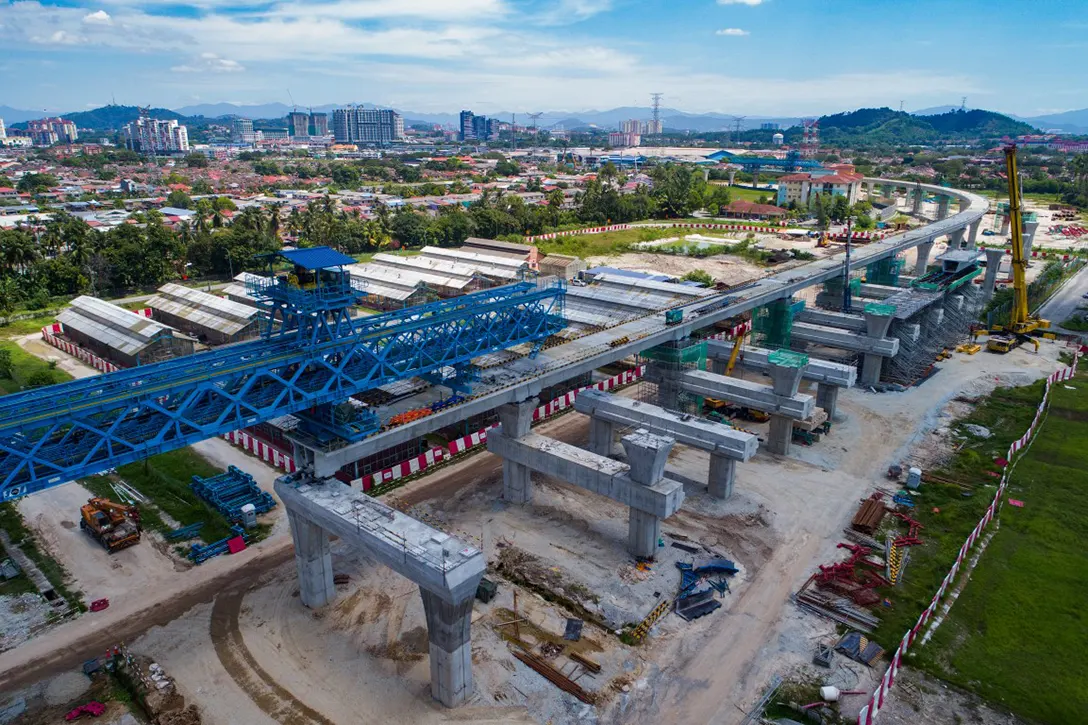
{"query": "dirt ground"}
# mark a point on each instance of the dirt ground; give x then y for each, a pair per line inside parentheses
(723, 267)
(254, 654)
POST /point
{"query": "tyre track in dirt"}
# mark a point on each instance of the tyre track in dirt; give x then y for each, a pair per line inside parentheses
(272, 697)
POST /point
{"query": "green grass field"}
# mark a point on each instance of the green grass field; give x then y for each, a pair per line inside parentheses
(605, 243)
(28, 326)
(24, 368)
(1017, 633)
(165, 480)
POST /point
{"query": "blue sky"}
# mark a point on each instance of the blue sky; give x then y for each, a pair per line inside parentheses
(754, 57)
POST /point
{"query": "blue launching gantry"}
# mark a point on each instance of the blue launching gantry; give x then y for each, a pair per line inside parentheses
(312, 354)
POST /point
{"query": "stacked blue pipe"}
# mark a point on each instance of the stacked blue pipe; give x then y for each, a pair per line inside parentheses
(228, 492)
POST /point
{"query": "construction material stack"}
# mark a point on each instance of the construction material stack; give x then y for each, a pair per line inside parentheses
(229, 492)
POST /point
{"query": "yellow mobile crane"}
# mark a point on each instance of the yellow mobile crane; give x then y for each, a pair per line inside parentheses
(1021, 323)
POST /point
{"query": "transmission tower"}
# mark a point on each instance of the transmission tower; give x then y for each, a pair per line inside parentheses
(536, 137)
(735, 138)
(810, 137)
(657, 128)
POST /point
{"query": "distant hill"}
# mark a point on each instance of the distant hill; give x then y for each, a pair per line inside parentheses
(20, 115)
(883, 125)
(1069, 121)
(112, 118)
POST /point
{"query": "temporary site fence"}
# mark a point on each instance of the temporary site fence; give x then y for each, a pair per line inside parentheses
(737, 227)
(867, 715)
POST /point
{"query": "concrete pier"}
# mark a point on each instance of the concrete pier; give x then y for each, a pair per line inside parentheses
(873, 363)
(943, 204)
(972, 234)
(602, 433)
(827, 397)
(919, 196)
(1029, 237)
(639, 483)
(446, 569)
(955, 239)
(726, 445)
(924, 250)
(517, 481)
(313, 561)
(993, 268)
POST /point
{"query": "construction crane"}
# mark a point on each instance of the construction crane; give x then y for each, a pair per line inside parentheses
(113, 525)
(1021, 323)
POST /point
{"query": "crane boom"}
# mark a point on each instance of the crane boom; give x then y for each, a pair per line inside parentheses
(1019, 315)
(1021, 323)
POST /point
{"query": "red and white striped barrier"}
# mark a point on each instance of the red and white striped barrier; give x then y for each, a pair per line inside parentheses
(738, 227)
(867, 715)
(742, 328)
(465, 443)
(49, 335)
(264, 451)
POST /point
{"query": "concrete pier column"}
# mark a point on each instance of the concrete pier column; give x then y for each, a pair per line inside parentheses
(517, 479)
(1005, 225)
(313, 559)
(601, 436)
(723, 474)
(876, 325)
(871, 367)
(993, 268)
(718, 366)
(955, 239)
(888, 191)
(1029, 237)
(919, 196)
(448, 632)
(732, 176)
(972, 234)
(780, 437)
(827, 397)
(924, 250)
(647, 455)
(943, 204)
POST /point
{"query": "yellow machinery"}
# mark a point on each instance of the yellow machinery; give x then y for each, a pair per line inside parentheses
(1021, 323)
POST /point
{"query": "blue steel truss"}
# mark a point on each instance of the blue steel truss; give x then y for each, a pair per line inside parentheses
(55, 434)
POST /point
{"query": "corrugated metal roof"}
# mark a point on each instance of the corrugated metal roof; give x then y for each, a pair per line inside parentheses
(486, 264)
(427, 264)
(203, 309)
(381, 272)
(114, 326)
(649, 284)
(383, 284)
(316, 257)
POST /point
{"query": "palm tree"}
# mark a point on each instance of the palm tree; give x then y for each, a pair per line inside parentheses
(274, 222)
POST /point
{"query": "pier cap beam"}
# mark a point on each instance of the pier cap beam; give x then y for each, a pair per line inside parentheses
(685, 429)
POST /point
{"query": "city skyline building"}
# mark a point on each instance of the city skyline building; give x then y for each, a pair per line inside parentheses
(370, 126)
(153, 136)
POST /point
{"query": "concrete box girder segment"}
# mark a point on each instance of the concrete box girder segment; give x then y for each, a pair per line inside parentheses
(751, 395)
(690, 431)
(878, 291)
(845, 320)
(819, 371)
(845, 339)
(446, 569)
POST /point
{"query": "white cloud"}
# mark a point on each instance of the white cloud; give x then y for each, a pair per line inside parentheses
(749, 3)
(210, 63)
(731, 31)
(98, 17)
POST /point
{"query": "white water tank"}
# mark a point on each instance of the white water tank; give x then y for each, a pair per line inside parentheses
(778, 139)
